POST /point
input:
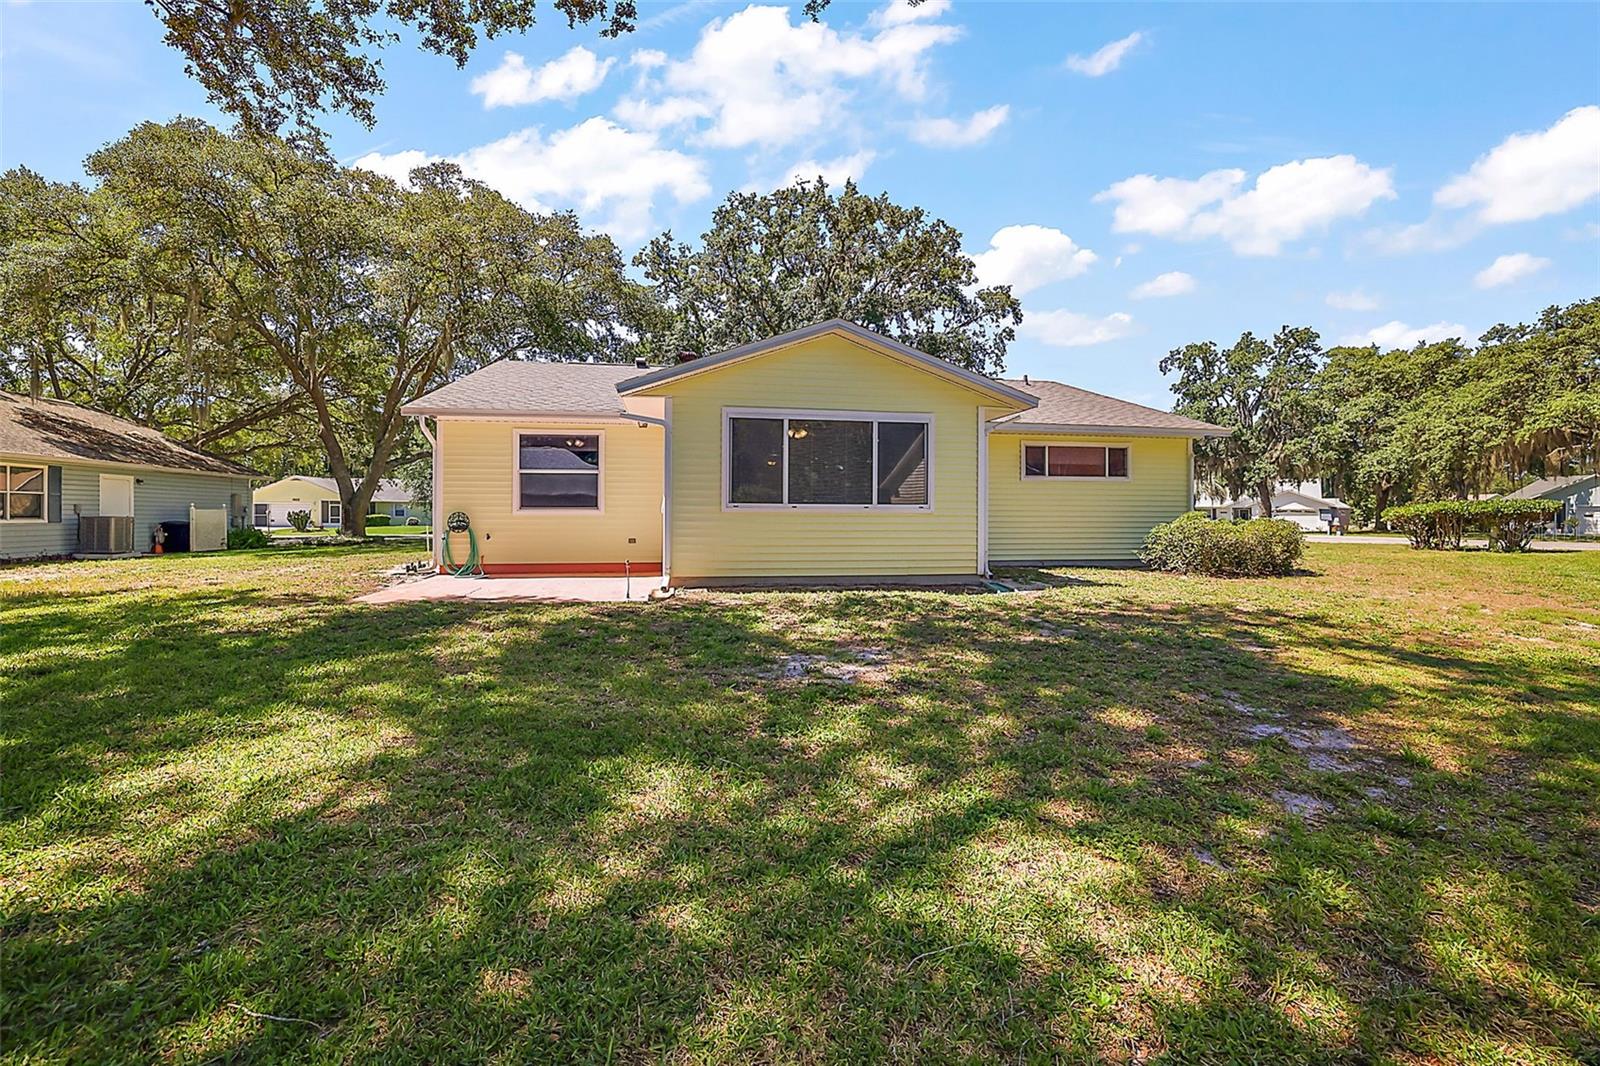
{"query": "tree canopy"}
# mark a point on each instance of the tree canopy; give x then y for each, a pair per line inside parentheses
(777, 261)
(1258, 389)
(1443, 420)
(315, 299)
(280, 63)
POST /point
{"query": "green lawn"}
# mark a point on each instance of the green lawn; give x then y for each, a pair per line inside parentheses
(1031, 827)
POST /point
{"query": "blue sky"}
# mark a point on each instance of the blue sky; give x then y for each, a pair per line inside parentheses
(1145, 175)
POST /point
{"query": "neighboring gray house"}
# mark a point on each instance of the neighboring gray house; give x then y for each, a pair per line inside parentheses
(1580, 500)
(1300, 502)
(60, 462)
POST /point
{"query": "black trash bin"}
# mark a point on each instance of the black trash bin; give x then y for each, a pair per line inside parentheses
(177, 537)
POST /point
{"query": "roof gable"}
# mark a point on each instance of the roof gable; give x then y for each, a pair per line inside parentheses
(999, 393)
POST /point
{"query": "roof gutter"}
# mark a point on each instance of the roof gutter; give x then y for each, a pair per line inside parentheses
(1116, 431)
(619, 415)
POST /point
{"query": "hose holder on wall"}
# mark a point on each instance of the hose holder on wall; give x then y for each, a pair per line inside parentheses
(457, 523)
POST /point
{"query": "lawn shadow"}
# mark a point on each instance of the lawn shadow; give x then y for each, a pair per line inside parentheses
(998, 830)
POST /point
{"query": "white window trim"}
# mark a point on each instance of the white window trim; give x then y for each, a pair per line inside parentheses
(44, 493)
(1022, 459)
(517, 471)
(326, 516)
(730, 413)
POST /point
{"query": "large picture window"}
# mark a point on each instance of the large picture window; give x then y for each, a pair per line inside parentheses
(1074, 461)
(828, 459)
(558, 471)
(22, 493)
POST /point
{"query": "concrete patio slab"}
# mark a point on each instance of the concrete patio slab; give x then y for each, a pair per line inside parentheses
(555, 589)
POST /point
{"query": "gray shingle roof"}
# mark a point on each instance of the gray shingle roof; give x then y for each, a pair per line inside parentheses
(61, 431)
(1066, 406)
(388, 491)
(1536, 489)
(514, 386)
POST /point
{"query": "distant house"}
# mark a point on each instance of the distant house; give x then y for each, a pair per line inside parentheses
(320, 496)
(61, 464)
(1300, 502)
(1580, 501)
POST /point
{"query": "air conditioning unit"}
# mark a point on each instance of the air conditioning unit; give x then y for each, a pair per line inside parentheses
(105, 534)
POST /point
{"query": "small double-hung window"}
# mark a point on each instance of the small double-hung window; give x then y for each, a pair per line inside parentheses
(1074, 461)
(558, 471)
(22, 493)
(828, 459)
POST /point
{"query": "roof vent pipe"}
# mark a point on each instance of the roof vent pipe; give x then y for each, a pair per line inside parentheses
(639, 363)
(1025, 380)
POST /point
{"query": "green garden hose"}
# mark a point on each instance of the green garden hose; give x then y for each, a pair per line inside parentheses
(457, 523)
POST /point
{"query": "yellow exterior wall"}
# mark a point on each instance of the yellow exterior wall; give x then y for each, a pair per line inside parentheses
(1043, 519)
(478, 476)
(293, 490)
(826, 373)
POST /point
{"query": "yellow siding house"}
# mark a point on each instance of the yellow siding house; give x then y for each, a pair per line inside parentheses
(831, 453)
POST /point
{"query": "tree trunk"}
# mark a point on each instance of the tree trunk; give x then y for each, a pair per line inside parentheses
(1264, 494)
(353, 508)
(1379, 504)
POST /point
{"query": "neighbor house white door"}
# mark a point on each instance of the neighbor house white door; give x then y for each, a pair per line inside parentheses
(116, 494)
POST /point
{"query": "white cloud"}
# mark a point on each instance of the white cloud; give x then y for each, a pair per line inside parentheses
(1354, 300)
(1530, 175)
(756, 78)
(1105, 60)
(959, 133)
(898, 13)
(1068, 329)
(1399, 335)
(1509, 268)
(1172, 283)
(596, 166)
(1286, 202)
(565, 78)
(1028, 257)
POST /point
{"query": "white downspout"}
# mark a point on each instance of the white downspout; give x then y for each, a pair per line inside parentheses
(1191, 502)
(665, 422)
(434, 517)
(983, 493)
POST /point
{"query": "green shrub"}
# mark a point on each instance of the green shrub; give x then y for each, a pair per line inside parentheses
(1440, 525)
(1435, 526)
(1511, 524)
(300, 520)
(248, 537)
(377, 520)
(1194, 544)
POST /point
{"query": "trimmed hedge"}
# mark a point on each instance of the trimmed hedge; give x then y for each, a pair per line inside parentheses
(1439, 526)
(377, 519)
(1195, 544)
